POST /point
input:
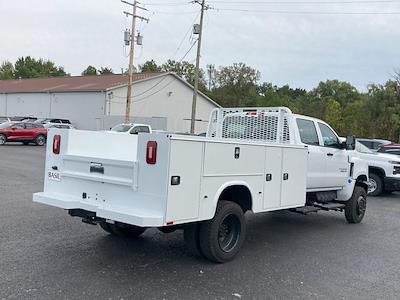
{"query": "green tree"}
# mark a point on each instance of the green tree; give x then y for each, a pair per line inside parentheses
(105, 71)
(90, 70)
(150, 66)
(236, 85)
(6, 70)
(185, 70)
(28, 67)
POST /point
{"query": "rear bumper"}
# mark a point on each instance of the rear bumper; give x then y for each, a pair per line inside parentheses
(391, 184)
(121, 214)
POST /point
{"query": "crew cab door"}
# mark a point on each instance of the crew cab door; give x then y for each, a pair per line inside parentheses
(336, 158)
(316, 162)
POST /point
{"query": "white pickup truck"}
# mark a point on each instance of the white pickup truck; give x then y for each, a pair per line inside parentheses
(261, 159)
(384, 170)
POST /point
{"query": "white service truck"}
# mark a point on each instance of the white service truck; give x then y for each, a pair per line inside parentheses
(255, 159)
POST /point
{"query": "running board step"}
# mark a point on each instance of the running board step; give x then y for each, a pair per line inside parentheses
(305, 210)
(330, 206)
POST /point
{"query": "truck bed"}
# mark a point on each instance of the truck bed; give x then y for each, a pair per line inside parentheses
(110, 175)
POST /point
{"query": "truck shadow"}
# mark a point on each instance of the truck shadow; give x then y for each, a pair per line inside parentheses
(272, 232)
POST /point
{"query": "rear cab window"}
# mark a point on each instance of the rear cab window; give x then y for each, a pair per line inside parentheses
(138, 129)
(308, 132)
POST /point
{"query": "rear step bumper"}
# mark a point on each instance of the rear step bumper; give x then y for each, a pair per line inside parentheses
(120, 214)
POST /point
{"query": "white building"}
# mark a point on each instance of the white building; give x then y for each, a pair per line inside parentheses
(163, 100)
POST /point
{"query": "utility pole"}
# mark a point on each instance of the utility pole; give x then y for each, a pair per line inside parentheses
(196, 75)
(131, 54)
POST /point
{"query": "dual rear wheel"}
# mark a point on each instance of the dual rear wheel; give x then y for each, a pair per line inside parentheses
(220, 238)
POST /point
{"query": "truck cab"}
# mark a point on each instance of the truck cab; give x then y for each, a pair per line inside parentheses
(328, 158)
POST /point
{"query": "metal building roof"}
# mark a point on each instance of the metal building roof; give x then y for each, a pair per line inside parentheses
(71, 83)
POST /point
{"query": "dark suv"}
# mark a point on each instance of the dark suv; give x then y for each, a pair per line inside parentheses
(24, 132)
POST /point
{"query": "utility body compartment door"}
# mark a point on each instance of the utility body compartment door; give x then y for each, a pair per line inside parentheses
(285, 177)
(272, 178)
(186, 159)
(294, 177)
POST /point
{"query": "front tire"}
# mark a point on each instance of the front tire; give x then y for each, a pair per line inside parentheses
(356, 207)
(375, 187)
(40, 140)
(3, 139)
(222, 237)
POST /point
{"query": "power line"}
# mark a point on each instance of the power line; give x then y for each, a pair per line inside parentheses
(173, 57)
(304, 12)
(184, 37)
(307, 2)
(173, 13)
(162, 79)
(134, 16)
(168, 3)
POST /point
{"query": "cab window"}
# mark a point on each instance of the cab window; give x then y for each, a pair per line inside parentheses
(19, 126)
(138, 129)
(328, 136)
(308, 133)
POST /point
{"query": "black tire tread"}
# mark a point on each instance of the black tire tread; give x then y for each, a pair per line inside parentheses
(350, 209)
(39, 135)
(207, 245)
(106, 227)
(130, 231)
(5, 138)
(379, 183)
(192, 239)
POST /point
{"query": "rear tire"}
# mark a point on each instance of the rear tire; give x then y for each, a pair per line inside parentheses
(40, 140)
(106, 227)
(126, 230)
(191, 235)
(3, 139)
(222, 237)
(376, 185)
(356, 207)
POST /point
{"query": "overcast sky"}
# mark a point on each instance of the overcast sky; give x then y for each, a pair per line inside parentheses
(287, 48)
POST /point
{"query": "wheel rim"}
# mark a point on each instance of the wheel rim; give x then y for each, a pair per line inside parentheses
(40, 140)
(361, 206)
(2, 139)
(372, 186)
(229, 233)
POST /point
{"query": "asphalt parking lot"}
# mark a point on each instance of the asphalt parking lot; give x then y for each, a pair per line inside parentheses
(45, 254)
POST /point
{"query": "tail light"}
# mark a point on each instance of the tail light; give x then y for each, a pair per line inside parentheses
(56, 144)
(151, 152)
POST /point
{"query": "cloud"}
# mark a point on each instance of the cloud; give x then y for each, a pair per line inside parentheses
(299, 50)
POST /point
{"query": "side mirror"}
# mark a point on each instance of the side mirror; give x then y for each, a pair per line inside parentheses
(13, 128)
(350, 142)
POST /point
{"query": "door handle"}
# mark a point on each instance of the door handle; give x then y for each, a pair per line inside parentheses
(329, 154)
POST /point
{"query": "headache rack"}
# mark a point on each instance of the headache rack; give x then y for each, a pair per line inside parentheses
(267, 124)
